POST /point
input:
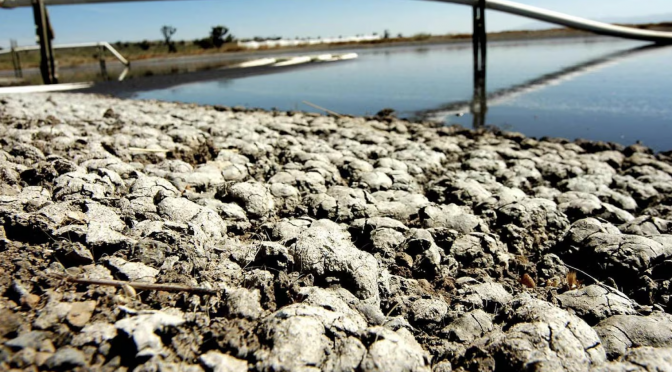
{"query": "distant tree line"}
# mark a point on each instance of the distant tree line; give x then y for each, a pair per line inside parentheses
(219, 36)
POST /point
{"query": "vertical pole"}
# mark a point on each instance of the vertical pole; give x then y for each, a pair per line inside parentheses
(18, 64)
(479, 40)
(44, 36)
(16, 61)
(101, 60)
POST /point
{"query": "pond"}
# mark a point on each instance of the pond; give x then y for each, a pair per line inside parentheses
(593, 88)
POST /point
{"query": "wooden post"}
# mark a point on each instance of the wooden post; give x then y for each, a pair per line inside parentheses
(16, 60)
(479, 39)
(101, 60)
(44, 36)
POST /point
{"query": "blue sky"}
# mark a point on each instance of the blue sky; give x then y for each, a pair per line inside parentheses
(291, 18)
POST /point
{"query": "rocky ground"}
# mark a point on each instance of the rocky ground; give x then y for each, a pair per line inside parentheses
(303, 243)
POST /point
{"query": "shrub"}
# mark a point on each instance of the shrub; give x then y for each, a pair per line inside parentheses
(144, 45)
(205, 43)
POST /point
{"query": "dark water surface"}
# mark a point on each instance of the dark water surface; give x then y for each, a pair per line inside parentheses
(600, 89)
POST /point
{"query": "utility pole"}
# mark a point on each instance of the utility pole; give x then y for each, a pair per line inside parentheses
(44, 37)
(479, 105)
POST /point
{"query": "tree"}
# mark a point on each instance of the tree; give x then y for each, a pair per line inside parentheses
(168, 32)
(386, 34)
(205, 43)
(144, 45)
(217, 35)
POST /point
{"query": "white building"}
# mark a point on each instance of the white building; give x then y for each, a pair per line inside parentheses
(295, 42)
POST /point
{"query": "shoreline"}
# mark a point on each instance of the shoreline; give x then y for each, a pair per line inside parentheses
(127, 88)
(269, 241)
(513, 35)
(210, 57)
(161, 81)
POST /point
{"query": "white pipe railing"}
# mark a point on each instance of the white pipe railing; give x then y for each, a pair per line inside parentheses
(499, 5)
(569, 21)
(103, 44)
(23, 3)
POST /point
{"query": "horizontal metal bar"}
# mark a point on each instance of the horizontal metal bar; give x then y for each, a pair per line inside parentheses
(45, 88)
(500, 5)
(23, 3)
(569, 21)
(73, 46)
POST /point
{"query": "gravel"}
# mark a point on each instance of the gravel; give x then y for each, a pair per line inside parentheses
(323, 243)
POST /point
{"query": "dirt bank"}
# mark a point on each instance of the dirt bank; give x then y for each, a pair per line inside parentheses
(301, 242)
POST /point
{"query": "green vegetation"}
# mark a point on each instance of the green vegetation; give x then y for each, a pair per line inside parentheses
(219, 35)
(221, 41)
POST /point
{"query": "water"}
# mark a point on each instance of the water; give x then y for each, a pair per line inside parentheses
(599, 89)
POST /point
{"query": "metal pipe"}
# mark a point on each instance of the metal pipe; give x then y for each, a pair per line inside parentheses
(499, 5)
(115, 53)
(73, 46)
(23, 3)
(100, 45)
(569, 21)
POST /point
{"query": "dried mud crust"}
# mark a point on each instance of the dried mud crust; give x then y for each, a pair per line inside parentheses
(323, 243)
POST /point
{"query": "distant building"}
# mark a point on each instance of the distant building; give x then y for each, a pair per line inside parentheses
(294, 42)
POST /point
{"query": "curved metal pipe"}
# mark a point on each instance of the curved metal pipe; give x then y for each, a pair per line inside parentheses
(499, 5)
(570, 21)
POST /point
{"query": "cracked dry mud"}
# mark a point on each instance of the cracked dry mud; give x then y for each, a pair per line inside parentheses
(331, 244)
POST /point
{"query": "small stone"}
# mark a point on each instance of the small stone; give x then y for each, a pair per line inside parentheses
(80, 313)
(142, 327)
(429, 310)
(403, 259)
(244, 303)
(73, 253)
(372, 313)
(134, 271)
(65, 359)
(24, 358)
(9, 322)
(30, 300)
(41, 357)
(31, 339)
(443, 366)
(95, 333)
(218, 362)
(52, 314)
(47, 346)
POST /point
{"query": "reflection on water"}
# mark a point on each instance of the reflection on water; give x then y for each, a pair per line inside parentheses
(478, 105)
(602, 89)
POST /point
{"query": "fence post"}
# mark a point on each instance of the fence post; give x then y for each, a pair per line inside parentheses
(479, 105)
(45, 35)
(101, 60)
(16, 60)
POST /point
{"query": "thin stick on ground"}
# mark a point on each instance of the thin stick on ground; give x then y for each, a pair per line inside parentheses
(323, 109)
(607, 287)
(138, 285)
(137, 149)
